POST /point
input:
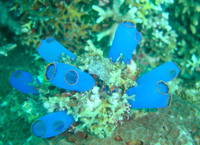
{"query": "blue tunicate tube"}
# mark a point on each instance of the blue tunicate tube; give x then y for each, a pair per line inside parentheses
(125, 41)
(68, 77)
(51, 50)
(150, 95)
(52, 124)
(165, 72)
(22, 81)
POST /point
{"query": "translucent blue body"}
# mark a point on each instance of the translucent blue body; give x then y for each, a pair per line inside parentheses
(68, 77)
(52, 124)
(147, 94)
(22, 81)
(150, 95)
(165, 72)
(125, 41)
(51, 50)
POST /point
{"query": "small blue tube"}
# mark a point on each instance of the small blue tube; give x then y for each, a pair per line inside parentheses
(68, 77)
(150, 95)
(22, 81)
(52, 124)
(51, 50)
(165, 72)
(125, 41)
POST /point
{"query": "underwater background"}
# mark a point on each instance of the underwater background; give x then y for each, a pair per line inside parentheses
(102, 113)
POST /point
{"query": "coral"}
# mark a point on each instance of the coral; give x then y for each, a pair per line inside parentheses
(57, 19)
(76, 33)
(97, 112)
(174, 125)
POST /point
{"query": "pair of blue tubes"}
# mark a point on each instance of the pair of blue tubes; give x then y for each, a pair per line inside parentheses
(152, 90)
(60, 74)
